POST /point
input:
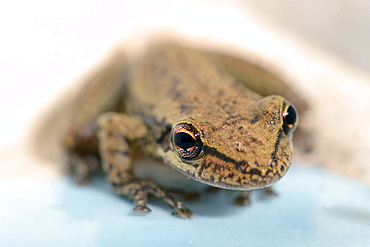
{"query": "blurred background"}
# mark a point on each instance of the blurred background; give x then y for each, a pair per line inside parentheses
(47, 44)
(321, 47)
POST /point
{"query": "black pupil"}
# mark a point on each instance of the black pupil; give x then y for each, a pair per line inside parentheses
(291, 116)
(184, 140)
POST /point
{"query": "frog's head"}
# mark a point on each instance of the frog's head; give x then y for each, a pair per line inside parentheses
(252, 151)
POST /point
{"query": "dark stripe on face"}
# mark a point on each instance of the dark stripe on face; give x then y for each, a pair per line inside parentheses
(277, 143)
(213, 152)
(238, 164)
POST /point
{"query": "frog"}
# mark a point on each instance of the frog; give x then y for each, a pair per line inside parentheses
(214, 118)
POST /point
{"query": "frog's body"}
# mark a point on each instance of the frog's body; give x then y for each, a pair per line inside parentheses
(183, 107)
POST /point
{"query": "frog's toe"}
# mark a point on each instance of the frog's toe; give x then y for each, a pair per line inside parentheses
(242, 201)
(139, 209)
(183, 213)
(269, 192)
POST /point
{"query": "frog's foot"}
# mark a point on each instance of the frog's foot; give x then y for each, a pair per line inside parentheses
(182, 212)
(82, 167)
(138, 191)
(269, 192)
(243, 198)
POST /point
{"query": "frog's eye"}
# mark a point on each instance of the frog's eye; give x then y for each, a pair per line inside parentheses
(290, 118)
(186, 141)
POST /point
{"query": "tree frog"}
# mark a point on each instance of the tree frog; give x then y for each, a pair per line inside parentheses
(207, 115)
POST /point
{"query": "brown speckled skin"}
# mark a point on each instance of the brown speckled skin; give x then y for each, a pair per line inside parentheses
(244, 145)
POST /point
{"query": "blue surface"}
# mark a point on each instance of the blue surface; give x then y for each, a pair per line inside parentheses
(314, 208)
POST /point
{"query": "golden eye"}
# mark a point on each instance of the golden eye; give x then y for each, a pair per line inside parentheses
(186, 141)
(290, 118)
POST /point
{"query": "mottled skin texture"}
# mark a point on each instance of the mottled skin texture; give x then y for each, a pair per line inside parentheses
(132, 108)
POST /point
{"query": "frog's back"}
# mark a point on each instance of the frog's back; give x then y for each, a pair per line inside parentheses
(172, 82)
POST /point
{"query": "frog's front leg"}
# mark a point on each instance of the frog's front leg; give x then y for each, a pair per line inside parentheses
(116, 133)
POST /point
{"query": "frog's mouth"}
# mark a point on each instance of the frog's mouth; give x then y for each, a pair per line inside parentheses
(240, 178)
(239, 175)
